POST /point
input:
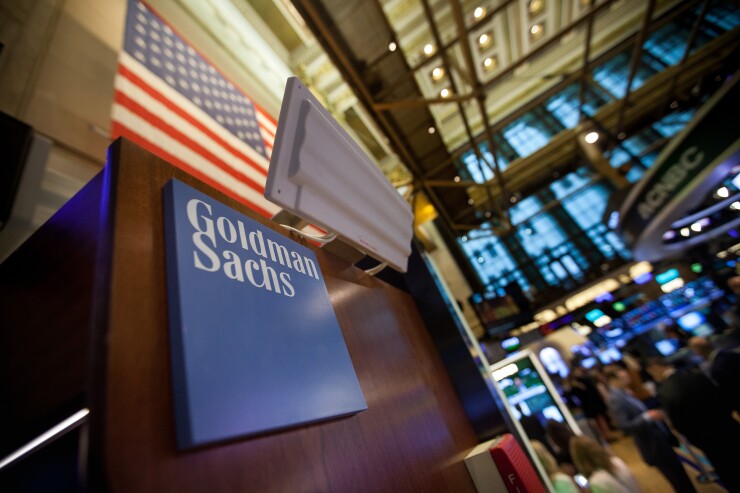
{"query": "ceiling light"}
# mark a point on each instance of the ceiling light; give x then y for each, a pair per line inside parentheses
(438, 73)
(444, 92)
(685, 232)
(428, 49)
(735, 206)
(392, 46)
(490, 63)
(696, 227)
(535, 6)
(479, 12)
(591, 137)
(484, 39)
(535, 29)
(432, 130)
(456, 179)
(723, 192)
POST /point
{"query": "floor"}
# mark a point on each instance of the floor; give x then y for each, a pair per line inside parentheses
(650, 479)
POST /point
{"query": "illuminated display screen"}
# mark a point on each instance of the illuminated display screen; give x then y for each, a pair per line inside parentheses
(667, 276)
(594, 315)
(523, 387)
(511, 344)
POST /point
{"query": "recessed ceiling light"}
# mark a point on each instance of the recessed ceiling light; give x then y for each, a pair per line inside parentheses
(432, 130)
(490, 63)
(438, 73)
(456, 179)
(535, 6)
(444, 92)
(685, 232)
(428, 49)
(479, 12)
(591, 137)
(392, 46)
(536, 30)
(484, 39)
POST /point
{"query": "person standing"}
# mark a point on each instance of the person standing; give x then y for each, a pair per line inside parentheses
(605, 473)
(652, 437)
(561, 482)
(696, 409)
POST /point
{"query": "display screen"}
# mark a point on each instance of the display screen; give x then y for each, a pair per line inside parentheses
(667, 276)
(511, 344)
(667, 347)
(691, 321)
(594, 315)
(526, 392)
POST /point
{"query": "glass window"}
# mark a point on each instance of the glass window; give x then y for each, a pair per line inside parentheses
(564, 105)
(524, 209)
(492, 261)
(723, 16)
(612, 75)
(528, 134)
(570, 183)
(671, 124)
(480, 174)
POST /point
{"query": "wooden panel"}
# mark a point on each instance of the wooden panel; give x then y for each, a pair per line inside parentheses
(413, 437)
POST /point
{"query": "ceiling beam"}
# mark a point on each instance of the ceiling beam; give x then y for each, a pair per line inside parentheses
(481, 100)
(555, 38)
(690, 42)
(635, 61)
(415, 103)
(586, 56)
(406, 75)
(445, 61)
(339, 52)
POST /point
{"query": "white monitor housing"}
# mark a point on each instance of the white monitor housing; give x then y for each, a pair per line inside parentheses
(319, 173)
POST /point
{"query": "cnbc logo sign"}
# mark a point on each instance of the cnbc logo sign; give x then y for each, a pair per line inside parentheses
(670, 182)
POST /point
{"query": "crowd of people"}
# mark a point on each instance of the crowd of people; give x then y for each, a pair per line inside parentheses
(654, 402)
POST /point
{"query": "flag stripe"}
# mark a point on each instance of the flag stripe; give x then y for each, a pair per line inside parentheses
(137, 109)
(180, 155)
(155, 104)
(139, 75)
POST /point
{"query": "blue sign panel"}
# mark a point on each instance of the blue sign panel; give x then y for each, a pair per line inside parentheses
(255, 343)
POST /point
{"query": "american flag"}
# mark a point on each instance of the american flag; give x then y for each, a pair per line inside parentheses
(170, 100)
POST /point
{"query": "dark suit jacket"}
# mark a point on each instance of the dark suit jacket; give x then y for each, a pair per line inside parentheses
(697, 410)
(652, 438)
(725, 371)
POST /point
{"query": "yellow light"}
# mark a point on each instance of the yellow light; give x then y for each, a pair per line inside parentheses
(484, 39)
(438, 73)
(536, 29)
(428, 49)
(444, 92)
(479, 12)
(535, 6)
(392, 46)
(432, 130)
(456, 179)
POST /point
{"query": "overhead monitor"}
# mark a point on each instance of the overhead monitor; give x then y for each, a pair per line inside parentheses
(319, 173)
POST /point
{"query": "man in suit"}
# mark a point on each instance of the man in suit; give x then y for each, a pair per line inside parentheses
(697, 410)
(722, 366)
(652, 437)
